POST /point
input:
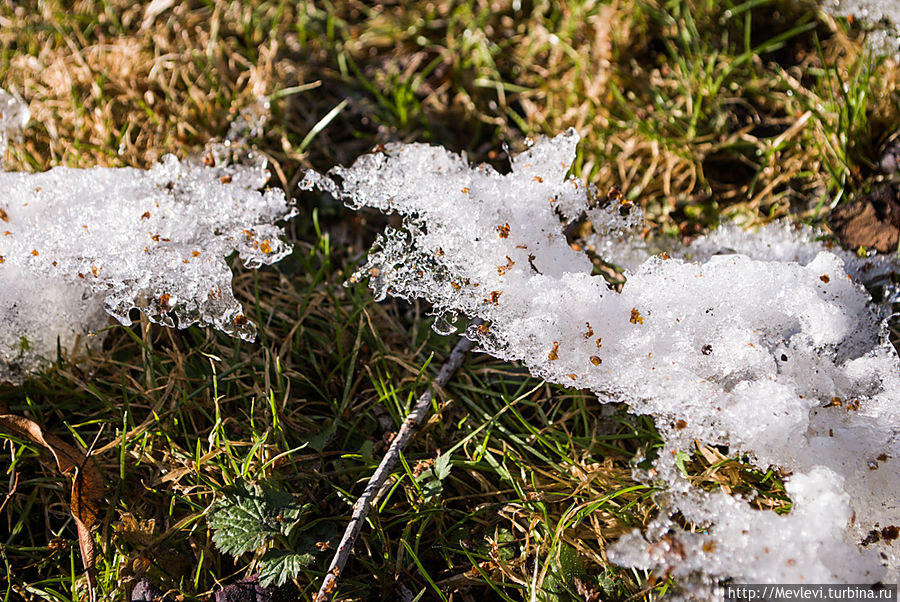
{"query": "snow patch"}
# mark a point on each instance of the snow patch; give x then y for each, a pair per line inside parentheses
(77, 242)
(762, 341)
(882, 17)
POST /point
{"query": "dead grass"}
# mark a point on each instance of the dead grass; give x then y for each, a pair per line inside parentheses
(109, 84)
(679, 112)
(702, 122)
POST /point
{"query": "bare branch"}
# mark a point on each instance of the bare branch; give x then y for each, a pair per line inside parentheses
(364, 503)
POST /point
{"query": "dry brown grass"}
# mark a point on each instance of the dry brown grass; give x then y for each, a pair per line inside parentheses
(110, 84)
(121, 85)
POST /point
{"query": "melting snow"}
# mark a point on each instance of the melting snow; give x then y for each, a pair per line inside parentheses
(75, 243)
(762, 342)
(881, 16)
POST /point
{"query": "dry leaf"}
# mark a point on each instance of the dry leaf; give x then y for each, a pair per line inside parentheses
(137, 532)
(871, 221)
(586, 590)
(87, 483)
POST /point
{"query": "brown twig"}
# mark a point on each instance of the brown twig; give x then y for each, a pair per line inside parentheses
(12, 489)
(364, 503)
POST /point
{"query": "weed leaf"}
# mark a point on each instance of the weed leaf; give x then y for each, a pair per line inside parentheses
(681, 459)
(280, 566)
(252, 514)
(442, 466)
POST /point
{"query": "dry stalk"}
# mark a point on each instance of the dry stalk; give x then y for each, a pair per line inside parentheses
(363, 504)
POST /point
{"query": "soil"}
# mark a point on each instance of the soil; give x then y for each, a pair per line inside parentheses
(871, 221)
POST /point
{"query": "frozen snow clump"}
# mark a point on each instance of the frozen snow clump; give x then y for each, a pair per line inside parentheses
(762, 342)
(250, 121)
(882, 17)
(76, 242)
(14, 116)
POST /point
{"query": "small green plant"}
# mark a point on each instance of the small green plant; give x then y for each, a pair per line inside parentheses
(428, 477)
(260, 516)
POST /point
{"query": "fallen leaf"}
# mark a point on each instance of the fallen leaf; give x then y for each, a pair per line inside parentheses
(87, 484)
(871, 221)
(137, 532)
(586, 590)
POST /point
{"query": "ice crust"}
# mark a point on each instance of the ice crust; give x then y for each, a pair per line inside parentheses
(76, 244)
(762, 341)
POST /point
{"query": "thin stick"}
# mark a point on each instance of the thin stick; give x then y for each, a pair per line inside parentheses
(364, 503)
(12, 490)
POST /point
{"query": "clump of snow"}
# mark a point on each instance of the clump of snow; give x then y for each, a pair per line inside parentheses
(77, 242)
(762, 342)
(250, 121)
(753, 546)
(881, 16)
(14, 116)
